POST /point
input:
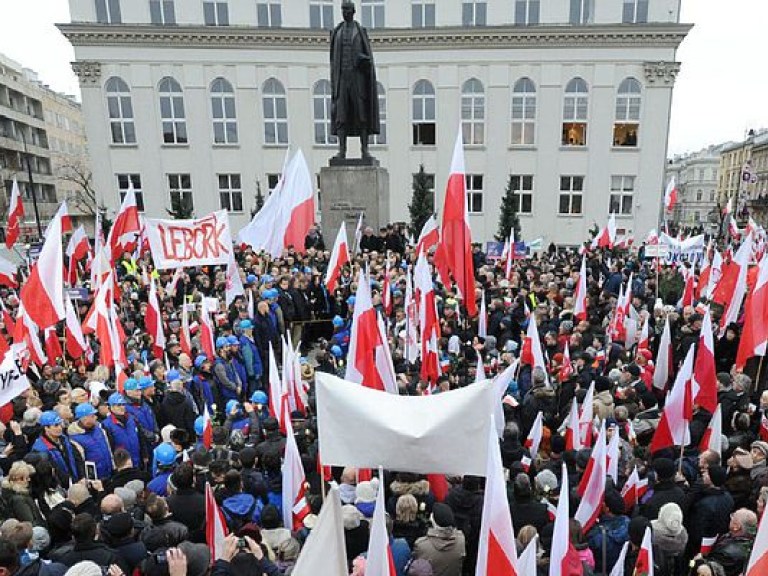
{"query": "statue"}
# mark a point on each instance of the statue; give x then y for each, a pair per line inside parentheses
(354, 103)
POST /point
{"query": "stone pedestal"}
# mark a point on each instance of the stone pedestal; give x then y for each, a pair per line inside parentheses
(347, 190)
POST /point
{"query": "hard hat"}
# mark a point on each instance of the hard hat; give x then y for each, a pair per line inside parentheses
(246, 324)
(351, 300)
(172, 375)
(199, 424)
(131, 384)
(83, 410)
(221, 342)
(233, 341)
(200, 360)
(50, 418)
(259, 397)
(338, 321)
(145, 382)
(165, 454)
(336, 351)
(231, 405)
(116, 399)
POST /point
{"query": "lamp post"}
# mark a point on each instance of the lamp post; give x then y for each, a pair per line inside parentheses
(31, 185)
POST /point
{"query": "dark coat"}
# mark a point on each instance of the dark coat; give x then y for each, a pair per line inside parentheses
(664, 492)
(96, 552)
(188, 507)
(529, 511)
(708, 515)
(177, 409)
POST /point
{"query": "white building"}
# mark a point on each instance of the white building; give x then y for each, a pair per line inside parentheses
(203, 97)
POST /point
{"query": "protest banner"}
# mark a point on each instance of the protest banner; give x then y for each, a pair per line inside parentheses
(177, 243)
(13, 380)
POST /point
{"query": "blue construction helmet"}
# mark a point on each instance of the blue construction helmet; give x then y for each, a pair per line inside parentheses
(165, 454)
(172, 376)
(246, 324)
(231, 405)
(146, 382)
(221, 342)
(336, 351)
(250, 279)
(83, 410)
(233, 341)
(259, 397)
(270, 294)
(131, 384)
(266, 279)
(50, 418)
(116, 399)
(351, 300)
(199, 425)
(200, 360)
(338, 321)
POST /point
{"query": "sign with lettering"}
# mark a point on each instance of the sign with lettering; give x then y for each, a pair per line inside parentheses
(177, 243)
(13, 379)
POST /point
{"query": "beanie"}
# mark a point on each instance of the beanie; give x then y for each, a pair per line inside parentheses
(442, 515)
(558, 444)
(665, 468)
(670, 519)
(637, 527)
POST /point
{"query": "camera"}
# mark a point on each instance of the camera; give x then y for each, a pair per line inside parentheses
(241, 543)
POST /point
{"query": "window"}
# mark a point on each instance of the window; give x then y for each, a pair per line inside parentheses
(272, 181)
(622, 188)
(635, 12)
(180, 188)
(381, 137)
(123, 183)
(474, 193)
(172, 112)
(575, 106)
(321, 14)
(230, 192)
(275, 112)
(373, 13)
(699, 195)
(523, 112)
(108, 12)
(581, 11)
(422, 14)
(473, 13)
(527, 12)
(162, 12)
(120, 111)
(571, 191)
(627, 113)
(522, 195)
(215, 13)
(321, 111)
(424, 114)
(224, 112)
(473, 112)
(269, 14)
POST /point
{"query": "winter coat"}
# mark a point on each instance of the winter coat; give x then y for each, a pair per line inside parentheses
(20, 505)
(227, 380)
(732, 553)
(176, 409)
(64, 457)
(97, 552)
(41, 568)
(94, 446)
(668, 550)
(759, 476)
(159, 484)
(188, 507)
(603, 405)
(529, 511)
(708, 515)
(610, 533)
(739, 484)
(131, 551)
(409, 531)
(164, 533)
(145, 419)
(240, 509)
(445, 549)
(664, 492)
(125, 435)
(542, 399)
(251, 358)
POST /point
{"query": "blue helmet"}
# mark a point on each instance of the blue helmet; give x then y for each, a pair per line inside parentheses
(145, 382)
(336, 351)
(338, 321)
(131, 384)
(200, 360)
(246, 324)
(221, 342)
(165, 454)
(172, 375)
(270, 294)
(199, 425)
(116, 399)
(250, 279)
(50, 418)
(259, 397)
(233, 341)
(267, 278)
(351, 300)
(83, 410)
(231, 405)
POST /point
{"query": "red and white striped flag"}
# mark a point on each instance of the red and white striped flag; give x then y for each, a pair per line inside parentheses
(712, 438)
(207, 437)
(572, 435)
(644, 564)
(15, 216)
(678, 411)
(386, 291)
(633, 490)
(482, 321)
(154, 321)
(428, 237)
(215, 525)
(670, 195)
(561, 540)
(592, 487)
(43, 292)
(566, 369)
(580, 298)
(339, 258)
(754, 336)
(75, 341)
(206, 332)
(8, 272)
(704, 372)
(707, 543)
(124, 234)
(77, 249)
(618, 568)
(295, 506)
(586, 416)
(534, 440)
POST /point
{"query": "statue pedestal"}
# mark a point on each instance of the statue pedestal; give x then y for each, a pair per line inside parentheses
(348, 190)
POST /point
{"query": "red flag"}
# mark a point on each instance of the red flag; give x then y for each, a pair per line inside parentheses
(215, 526)
(43, 292)
(754, 336)
(15, 216)
(572, 435)
(10, 325)
(711, 440)
(673, 426)
(704, 372)
(339, 258)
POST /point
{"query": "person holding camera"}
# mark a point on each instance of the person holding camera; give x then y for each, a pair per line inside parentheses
(238, 559)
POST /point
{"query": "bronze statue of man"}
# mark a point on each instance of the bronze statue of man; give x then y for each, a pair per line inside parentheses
(355, 103)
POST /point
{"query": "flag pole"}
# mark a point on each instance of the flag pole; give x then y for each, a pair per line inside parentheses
(759, 372)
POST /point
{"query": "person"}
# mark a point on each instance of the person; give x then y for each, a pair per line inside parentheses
(15, 496)
(669, 540)
(165, 461)
(176, 408)
(88, 548)
(732, 550)
(665, 489)
(251, 359)
(164, 531)
(608, 535)
(186, 504)
(139, 394)
(710, 507)
(92, 440)
(228, 384)
(239, 507)
(444, 546)
(124, 472)
(201, 387)
(123, 431)
(65, 458)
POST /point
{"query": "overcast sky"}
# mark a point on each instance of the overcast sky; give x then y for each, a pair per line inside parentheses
(721, 92)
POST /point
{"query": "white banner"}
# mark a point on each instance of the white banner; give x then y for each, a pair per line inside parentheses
(445, 433)
(13, 381)
(177, 243)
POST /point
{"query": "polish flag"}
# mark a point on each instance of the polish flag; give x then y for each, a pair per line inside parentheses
(8, 273)
(297, 199)
(170, 289)
(758, 559)
(455, 235)
(10, 325)
(531, 353)
(185, 338)
(275, 389)
(707, 543)
(27, 333)
(663, 366)
(124, 234)
(154, 321)
(561, 540)
(482, 321)
(612, 457)
(688, 290)
(215, 525)
(497, 554)
(206, 333)
(566, 370)
(572, 435)
(15, 216)
(295, 506)
(234, 283)
(673, 426)
(207, 437)
(618, 568)
(379, 560)
(711, 440)
(652, 239)
(607, 236)
(704, 372)
(428, 322)
(735, 279)
(527, 563)
(52, 346)
(593, 490)
(587, 414)
(580, 298)
(339, 258)
(43, 292)
(510, 255)
(384, 363)
(429, 236)
(633, 490)
(325, 553)
(359, 231)
(644, 564)
(66, 221)
(77, 249)
(754, 336)
(644, 343)
(534, 440)
(412, 346)
(670, 195)
(75, 340)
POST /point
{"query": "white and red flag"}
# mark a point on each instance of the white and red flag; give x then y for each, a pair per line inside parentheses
(586, 416)
(534, 440)
(52, 346)
(572, 434)
(8, 273)
(531, 352)
(606, 238)
(298, 199)
(663, 366)
(15, 216)
(612, 456)
(644, 341)
(592, 488)
(124, 234)
(754, 336)
(670, 195)
(359, 232)
(633, 490)
(678, 411)
(386, 291)
(26, 332)
(215, 525)
(384, 363)
(339, 258)
(207, 342)
(277, 400)
(295, 505)
(561, 540)
(75, 340)
(429, 323)
(66, 221)
(580, 298)
(712, 438)
(428, 237)
(758, 558)
(154, 321)
(234, 283)
(644, 563)
(185, 336)
(704, 371)
(509, 254)
(732, 287)
(566, 369)
(77, 249)
(379, 561)
(324, 552)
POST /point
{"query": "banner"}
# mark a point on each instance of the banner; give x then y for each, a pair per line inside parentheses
(177, 243)
(444, 433)
(13, 380)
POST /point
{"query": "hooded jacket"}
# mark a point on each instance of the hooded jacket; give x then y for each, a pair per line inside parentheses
(445, 549)
(177, 409)
(240, 509)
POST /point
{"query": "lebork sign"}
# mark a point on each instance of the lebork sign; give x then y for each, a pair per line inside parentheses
(177, 243)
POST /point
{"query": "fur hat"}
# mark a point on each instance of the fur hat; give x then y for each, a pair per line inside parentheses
(546, 481)
(670, 519)
(351, 516)
(762, 446)
(743, 458)
(366, 491)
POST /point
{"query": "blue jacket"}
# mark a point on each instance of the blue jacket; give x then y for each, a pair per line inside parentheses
(226, 393)
(144, 416)
(159, 484)
(251, 358)
(95, 445)
(401, 553)
(241, 509)
(200, 387)
(124, 436)
(63, 458)
(239, 366)
(616, 533)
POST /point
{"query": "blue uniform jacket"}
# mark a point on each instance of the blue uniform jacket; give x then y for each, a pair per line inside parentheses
(124, 436)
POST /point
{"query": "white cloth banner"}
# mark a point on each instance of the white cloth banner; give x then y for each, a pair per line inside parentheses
(13, 381)
(443, 433)
(177, 243)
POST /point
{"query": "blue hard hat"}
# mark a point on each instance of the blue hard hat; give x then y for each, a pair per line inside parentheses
(231, 405)
(250, 279)
(221, 342)
(246, 324)
(307, 270)
(259, 397)
(50, 418)
(336, 351)
(145, 382)
(200, 360)
(351, 300)
(116, 399)
(271, 293)
(338, 321)
(165, 454)
(266, 278)
(233, 341)
(199, 425)
(131, 384)
(172, 375)
(83, 410)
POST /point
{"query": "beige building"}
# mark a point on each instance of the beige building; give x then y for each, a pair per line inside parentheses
(735, 162)
(696, 175)
(758, 198)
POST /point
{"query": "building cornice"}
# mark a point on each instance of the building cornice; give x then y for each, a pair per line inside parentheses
(490, 37)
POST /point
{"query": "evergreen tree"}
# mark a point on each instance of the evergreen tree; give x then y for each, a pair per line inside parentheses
(508, 219)
(422, 204)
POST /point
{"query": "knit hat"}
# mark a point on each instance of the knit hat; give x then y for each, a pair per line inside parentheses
(84, 568)
(670, 519)
(664, 467)
(546, 481)
(198, 558)
(119, 525)
(442, 515)
(366, 491)
(762, 446)
(718, 475)
(637, 527)
(40, 539)
(420, 567)
(127, 495)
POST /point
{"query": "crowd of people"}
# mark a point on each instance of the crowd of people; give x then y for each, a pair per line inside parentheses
(97, 481)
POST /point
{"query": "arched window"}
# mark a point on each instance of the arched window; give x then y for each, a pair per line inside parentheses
(473, 112)
(321, 112)
(120, 111)
(424, 114)
(276, 112)
(575, 109)
(523, 112)
(627, 124)
(172, 115)
(381, 137)
(224, 112)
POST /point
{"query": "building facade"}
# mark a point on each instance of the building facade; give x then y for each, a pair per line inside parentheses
(737, 179)
(696, 176)
(201, 99)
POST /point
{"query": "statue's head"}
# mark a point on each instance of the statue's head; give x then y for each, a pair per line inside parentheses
(348, 10)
